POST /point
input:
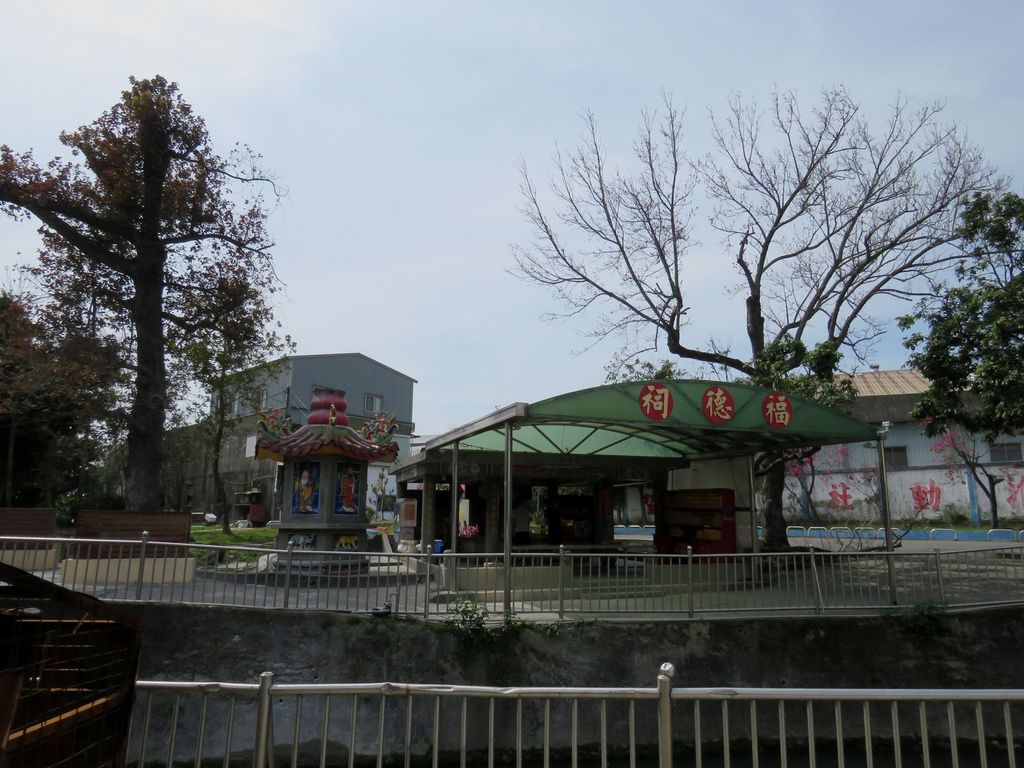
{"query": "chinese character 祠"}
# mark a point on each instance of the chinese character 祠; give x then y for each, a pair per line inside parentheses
(656, 401)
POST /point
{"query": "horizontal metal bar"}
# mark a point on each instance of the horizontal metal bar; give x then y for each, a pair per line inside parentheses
(635, 694)
(849, 694)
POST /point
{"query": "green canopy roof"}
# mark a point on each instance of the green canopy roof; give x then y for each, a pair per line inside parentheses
(683, 419)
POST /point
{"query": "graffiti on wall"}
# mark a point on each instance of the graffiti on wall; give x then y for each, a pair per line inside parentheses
(1015, 493)
(840, 497)
(926, 497)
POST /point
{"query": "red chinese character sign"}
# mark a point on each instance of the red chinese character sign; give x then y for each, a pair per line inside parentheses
(926, 496)
(718, 405)
(840, 497)
(777, 410)
(656, 401)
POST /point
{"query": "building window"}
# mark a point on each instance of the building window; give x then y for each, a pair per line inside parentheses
(1004, 452)
(896, 457)
(372, 404)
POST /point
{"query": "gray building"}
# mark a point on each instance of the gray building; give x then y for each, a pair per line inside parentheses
(370, 387)
(928, 476)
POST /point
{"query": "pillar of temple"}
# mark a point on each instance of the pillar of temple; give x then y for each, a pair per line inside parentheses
(492, 524)
(429, 514)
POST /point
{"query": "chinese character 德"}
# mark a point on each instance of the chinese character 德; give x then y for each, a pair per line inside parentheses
(718, 404)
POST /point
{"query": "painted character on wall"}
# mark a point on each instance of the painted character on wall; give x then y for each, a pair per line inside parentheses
(346, 492)
(306, 489)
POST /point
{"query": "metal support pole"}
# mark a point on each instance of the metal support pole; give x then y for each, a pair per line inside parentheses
(938, 575)
(754, 539)
(819, 603)
(142, 565)
(665, 675)
(561, 582)
(453, 543)
(426, 591)
(883, 498)
(508, 521)
(689, 577)
(263, 705)
(288, 573)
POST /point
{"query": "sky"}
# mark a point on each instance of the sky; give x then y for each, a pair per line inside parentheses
(397, 129)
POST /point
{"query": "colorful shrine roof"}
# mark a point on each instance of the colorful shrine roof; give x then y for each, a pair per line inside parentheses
(326, 433)
(336, 439)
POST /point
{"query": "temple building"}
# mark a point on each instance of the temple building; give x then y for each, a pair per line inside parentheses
(254, 485)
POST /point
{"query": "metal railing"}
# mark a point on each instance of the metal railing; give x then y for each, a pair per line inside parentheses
(547, 586)
(269, 724)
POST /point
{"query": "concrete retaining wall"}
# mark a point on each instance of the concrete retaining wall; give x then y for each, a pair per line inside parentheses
(912, 648)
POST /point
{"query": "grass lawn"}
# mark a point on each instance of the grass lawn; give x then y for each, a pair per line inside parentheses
(240, 537)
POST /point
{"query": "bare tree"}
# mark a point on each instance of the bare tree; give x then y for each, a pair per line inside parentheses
(823, 216)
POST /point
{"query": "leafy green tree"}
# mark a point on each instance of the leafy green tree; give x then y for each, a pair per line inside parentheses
(233, 359)
(57, 390)
(622, 371)
(823, 217)
(973, 341)
(142, 229)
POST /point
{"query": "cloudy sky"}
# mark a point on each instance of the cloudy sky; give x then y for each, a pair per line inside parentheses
(397, 129)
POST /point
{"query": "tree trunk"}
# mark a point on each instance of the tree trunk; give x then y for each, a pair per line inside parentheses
(774, 521)
(988, 487)
(146, 420)
(9, 464)
(993, 500)
(220, 492)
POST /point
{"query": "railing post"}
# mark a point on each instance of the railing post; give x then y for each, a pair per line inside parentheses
(665, 675)
(938, 574)
(561, 582)
(689, 577)
(288, 573)
(142, 565)
(426, 590)
(819, 603)
(890, 567)
(263, 706)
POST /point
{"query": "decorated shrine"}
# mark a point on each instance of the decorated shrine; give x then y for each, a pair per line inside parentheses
(679, 450)
(325, 473)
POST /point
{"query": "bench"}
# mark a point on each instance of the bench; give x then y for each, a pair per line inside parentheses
(28, 523)
(90, 562)
(119, 524)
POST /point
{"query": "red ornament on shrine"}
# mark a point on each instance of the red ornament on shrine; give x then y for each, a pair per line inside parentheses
(717, 404)
(328, 407)
(656, 401)
(777, 410)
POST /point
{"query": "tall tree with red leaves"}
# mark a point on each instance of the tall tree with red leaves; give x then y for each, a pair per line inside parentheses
(143, 229)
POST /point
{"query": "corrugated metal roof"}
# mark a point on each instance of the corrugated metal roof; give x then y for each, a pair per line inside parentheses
(880, 383)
